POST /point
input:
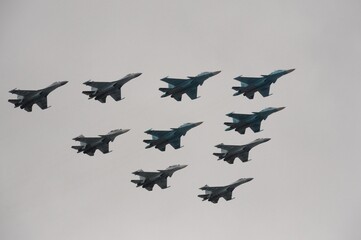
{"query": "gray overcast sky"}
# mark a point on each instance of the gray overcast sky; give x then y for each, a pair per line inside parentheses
(306, 179)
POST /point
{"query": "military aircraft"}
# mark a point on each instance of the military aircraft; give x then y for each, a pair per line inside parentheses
(148, 179)
(177, 87)
(230, 152)
(250, 85)
(27, 98)
(88, 145)
(213, 194)
(100, 90)
(253, 121)
(163, 137)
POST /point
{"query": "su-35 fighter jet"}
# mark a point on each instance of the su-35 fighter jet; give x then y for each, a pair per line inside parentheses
(149, 179)
(88, 145)
(230, 152)
(213, 194)
(100, 90)
(250, 85)
(173, 137)
(177, 87)
(27, 98)
(253, 121)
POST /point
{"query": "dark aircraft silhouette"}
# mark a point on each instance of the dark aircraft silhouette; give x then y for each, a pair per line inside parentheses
(27, 98)
(250, 85)
(177, 87)
(149, 179)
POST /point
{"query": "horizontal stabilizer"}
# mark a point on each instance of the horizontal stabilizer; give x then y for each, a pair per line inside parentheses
(138, 182)
(89, 93)
(79, 148)
(230, 124)
(164, 89)
(220, 155)
(148, 141)
(16, 102)
(204, 196)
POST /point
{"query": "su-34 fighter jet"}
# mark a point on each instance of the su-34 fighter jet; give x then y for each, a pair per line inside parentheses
(173, 137)
(100, 90)
(253, 121)
(149, 179)
(177, 87)
(88, 145)
(213, 194)
(250, 85)
(230, 152)
(27, 98)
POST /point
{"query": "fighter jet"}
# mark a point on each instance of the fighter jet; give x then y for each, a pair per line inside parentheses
(250, 85)
(253, 121)
(27, 98)
(88, 145)
(230, 152)
(163, 137)
(100, 90)
(148, 179)
(177, 87)
(213, 194)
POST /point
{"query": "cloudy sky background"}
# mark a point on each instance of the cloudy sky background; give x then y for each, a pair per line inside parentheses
(306, 179)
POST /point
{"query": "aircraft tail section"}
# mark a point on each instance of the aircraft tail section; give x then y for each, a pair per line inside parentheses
(16, 102)
(79, 148)
(204, 196)
(89, 93)
(138, 182)
(219, 155)
(240, 90)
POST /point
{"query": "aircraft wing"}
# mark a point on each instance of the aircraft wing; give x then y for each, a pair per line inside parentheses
(177, 97)
(228, 195)
(29, 108)
(42, 103)
(256, 127)
(264, 91)
(173, 81)
(23, 92)
(211, 189)
(146, 174)
(104, 148)
(249, 95)
(157, 133)
(160, 147)
(97, 85)
(91, 152)
(214, 200)
(149, 187)
(239, 116)
(192, 93)
(230, 160)
(86, 139)
(116, 95)
(241, 130)
(162, 183)
(244, 156)
(227, 147)
(249, 80)
(176, 143)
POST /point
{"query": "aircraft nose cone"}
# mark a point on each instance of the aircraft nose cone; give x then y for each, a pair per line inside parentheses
(266, 139)
(63, 82)
(137, 74)
(291, 70)
(197, 123)
(216, 72)
(125, 130)
(182, 166)
(280, 108)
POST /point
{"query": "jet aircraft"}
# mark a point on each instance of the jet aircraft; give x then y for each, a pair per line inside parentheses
(250, 85)
(213, 194)
(88, 145)
(149, 179)
(27, 98)
(177, 87)
(173, 137)
(253, 121)
(100, 90)
(230, 152)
